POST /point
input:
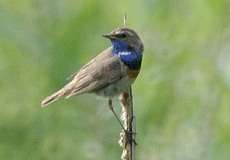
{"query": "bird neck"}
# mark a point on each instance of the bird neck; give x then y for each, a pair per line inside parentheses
(129, 56)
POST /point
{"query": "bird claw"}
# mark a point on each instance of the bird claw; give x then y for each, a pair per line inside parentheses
(129, 137)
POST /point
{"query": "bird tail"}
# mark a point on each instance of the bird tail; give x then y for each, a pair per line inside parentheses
(54, 97)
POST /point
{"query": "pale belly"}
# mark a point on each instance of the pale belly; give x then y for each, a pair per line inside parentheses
(116, 88)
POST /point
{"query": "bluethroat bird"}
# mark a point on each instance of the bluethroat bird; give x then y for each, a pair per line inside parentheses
(110, 73)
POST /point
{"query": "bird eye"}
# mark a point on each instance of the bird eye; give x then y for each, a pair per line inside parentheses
(122, 35)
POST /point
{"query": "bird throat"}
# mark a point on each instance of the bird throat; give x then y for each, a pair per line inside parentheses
(129, 56)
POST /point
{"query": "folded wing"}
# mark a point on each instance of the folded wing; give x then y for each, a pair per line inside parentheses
(101, 71)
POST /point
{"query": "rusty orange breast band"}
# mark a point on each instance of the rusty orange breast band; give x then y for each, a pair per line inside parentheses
(133, 73)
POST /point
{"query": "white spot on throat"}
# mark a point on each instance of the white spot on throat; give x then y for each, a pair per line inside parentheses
(124, 53)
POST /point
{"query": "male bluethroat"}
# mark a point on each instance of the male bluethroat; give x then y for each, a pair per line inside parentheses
(110, 73)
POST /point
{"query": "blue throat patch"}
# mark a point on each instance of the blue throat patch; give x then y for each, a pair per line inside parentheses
(128, 56)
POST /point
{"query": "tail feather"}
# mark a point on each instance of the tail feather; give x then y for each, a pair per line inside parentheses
(54, 97)
(67, 91)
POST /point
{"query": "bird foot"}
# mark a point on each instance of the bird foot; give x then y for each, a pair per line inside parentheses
(130, 138)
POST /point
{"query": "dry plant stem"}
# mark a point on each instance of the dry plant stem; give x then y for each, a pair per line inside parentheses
(127, 137)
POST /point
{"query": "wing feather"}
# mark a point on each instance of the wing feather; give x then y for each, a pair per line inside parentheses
(98, 73)
(101, 71)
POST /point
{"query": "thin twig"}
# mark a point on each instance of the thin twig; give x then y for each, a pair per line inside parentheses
(125, 19)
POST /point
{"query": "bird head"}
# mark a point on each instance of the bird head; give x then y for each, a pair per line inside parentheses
(125, 38)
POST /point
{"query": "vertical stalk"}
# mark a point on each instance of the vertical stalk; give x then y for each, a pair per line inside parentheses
(127, 138)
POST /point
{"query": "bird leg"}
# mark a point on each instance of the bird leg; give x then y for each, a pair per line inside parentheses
(114, 113)
(127, 133)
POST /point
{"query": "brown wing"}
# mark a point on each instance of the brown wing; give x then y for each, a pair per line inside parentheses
(98, 73)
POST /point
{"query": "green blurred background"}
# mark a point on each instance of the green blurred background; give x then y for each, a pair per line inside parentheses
(182, 96)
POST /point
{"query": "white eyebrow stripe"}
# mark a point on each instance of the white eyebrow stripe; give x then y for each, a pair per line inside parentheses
(124, 53)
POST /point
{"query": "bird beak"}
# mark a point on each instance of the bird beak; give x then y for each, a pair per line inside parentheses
(106, 35)
(109, 36)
